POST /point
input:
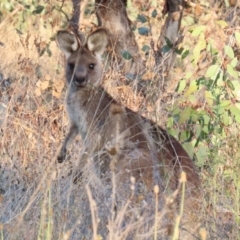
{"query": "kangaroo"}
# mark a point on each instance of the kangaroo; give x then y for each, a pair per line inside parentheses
(142, 149)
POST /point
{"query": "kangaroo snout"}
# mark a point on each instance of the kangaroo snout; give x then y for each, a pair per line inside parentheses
(80, 81)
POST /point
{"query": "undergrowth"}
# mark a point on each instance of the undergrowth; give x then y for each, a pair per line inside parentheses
(199, 106)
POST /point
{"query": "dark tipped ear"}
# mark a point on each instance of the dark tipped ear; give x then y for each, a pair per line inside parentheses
(97, 41)
(67, 42)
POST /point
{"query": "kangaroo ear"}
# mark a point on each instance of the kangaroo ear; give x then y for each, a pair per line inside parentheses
(97, 41)
(67, 42)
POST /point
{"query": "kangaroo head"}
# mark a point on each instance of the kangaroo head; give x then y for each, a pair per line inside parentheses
(83, 59)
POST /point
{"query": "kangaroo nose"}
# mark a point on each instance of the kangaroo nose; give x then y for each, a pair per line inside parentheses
(80, 81)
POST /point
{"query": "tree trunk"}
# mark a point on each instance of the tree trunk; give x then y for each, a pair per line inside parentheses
(170, 31)
(74, 21)
(112, 15)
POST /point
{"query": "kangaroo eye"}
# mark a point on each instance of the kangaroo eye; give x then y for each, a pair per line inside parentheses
(91, 66)
(71, 66)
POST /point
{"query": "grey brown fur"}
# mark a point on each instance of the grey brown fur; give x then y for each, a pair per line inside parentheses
(140, 148)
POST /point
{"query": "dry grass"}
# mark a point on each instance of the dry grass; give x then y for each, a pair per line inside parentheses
(37, 197)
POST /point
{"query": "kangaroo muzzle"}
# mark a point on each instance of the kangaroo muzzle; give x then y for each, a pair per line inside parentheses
(80, 81)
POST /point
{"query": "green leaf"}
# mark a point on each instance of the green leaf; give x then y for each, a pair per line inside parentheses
(201, 45)
(185, 53)
(185, 115)
(8, 6)
(168, 42)
(206, 119)
(143, 31)
(222, 23)
(225, 119)
(236, 91)
(194, 115)
(188, 75)
(192, 88)
(126, 55)
(237, 118)
(154, 13)
(201, 155)
(225, 104)
(212, 71)
(229, 51)
(206, 129)
(189, 148)
(174, 132)
(188, 21)
(209, 98)
(198, 129)
(176, 110)
(179, 51)
(234, 62)
(230, 85)
(166, 49)
(219, 110)
(170, 122)
(231, 71)
(181, 86)
(38, 9)
(237, 36)
(220, 82)
(145, 48)
(235, 112)
(184, 136)
(192, 98)
(142, 18)
(198, 30)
